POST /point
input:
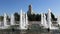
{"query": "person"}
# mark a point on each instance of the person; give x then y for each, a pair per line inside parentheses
(13, 29)
(48, 29)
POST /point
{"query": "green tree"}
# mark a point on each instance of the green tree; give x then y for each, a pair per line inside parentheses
(53, 16)
(34, 17)
(38, 17)
(17, 16)
(1, 18)
(8, 18)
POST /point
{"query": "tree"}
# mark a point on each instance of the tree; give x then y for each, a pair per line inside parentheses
(8, 18)
(17, 16)
(34, 17)
(1, 18)
(52, 16)
(38, 17)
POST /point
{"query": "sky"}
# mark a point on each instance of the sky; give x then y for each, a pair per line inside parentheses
(38, 6)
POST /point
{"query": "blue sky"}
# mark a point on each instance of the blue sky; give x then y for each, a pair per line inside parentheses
(12, 6)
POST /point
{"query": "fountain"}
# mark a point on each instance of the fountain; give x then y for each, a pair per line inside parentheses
(49, 20)
(27, 21)
(22, 21)
(0, 23)
(41, 19)
(5, 22)
(12, 20)
(5, 19)
(44, 21)
(58, 20)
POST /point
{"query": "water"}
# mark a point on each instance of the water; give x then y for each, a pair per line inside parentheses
(9, 31)
(5, 19)
(12, 20)
(23, 20)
